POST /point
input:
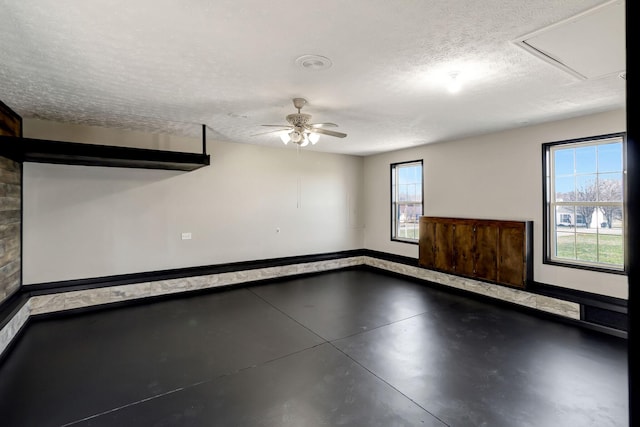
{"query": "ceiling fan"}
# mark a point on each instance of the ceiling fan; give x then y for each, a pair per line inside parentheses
(300, 131)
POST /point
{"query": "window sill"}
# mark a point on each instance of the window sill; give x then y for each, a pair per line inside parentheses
(410, 241)
(598, 269)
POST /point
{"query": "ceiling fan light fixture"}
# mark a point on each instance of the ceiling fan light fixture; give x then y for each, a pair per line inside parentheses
(284, 136)
(313, 137)
(300, 131)
(295, 136)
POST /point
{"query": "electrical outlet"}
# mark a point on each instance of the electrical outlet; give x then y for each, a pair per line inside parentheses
(186, 236)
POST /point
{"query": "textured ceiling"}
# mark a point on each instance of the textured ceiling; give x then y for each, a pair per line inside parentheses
(171, 65)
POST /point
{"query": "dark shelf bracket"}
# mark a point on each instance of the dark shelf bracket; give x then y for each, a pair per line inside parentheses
(204, 140)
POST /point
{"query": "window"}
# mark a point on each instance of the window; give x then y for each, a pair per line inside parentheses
(406, 200)
(585, 202)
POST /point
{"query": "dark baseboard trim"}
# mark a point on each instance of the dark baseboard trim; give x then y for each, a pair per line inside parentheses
(10, 306)
(185, 294)
(484, 298)
(400, 259)
(8, 309)
(581, 297)
(179, 273)
(598, 312)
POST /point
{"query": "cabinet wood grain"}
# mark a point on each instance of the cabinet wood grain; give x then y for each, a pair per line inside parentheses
(490, 250)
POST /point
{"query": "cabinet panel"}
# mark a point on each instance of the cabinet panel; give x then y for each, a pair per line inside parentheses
(427, 243)
(511, 257)
(444, 246)
(486, 263)
(490, 250)
(464, 246)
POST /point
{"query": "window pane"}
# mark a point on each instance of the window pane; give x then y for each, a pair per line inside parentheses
(587, 246)
(406, 200)
(565, 245)
(586, 205)
(408, 220)
(403, 174)
(586, 159)
(586, 188)
(565, 216)
(402, 193)
(412, 192)
(565, 188)
(610, 187)
(586, 216)
(611, 246)
(610, 157)
(563, 162)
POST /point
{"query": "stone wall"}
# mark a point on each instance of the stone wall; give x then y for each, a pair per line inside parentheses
(10, 217)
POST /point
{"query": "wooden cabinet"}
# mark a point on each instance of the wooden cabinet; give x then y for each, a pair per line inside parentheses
(489, 250)
(463, 249)
(427, 241)
(486, 252)
(444, 246)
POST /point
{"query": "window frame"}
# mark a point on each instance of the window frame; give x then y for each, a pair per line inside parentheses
(393, 203)
(548, 206)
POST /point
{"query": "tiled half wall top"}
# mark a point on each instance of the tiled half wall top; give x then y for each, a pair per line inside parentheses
(63, 301)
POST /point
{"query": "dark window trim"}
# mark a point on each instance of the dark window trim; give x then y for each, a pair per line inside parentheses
(391, 167)
(546, 211)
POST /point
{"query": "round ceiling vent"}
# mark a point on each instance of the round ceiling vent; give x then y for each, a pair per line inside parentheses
(313, 62)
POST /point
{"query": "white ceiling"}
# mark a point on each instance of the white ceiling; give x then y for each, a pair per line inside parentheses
(170, 65)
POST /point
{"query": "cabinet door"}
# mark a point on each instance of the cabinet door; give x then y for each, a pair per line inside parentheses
(511, 255)
(486, 262)
(463, 246)
(427, 243)
(444, 246)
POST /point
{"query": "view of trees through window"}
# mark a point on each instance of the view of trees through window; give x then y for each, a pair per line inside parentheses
(585, 184)
(406, 200)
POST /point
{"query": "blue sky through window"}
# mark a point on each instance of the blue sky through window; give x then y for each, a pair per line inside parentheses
(580, 166)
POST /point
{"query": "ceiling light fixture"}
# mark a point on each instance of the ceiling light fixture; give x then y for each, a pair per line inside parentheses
(299, 130)
(454, 85)
(313, 62)
(302, 138)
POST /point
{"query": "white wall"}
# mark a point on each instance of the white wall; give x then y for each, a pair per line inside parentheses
(496, 176)
(82, 222)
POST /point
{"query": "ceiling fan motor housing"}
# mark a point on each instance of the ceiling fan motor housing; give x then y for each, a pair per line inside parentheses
(298, 119)
(299, 103)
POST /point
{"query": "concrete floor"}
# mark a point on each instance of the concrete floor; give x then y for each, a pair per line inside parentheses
(347, 348)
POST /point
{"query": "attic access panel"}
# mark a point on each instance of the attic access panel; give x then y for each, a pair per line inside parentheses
(589, 45)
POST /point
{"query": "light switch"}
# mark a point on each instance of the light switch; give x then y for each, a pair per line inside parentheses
(186, 236)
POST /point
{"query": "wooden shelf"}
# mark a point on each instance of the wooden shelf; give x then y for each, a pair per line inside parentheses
(71, 153)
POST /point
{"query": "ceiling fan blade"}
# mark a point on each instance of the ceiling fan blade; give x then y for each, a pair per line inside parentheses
(322, 125)
(271, 131)
(328, 132)
(279, 126)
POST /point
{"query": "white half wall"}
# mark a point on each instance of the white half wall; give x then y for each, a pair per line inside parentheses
(251, 203)
(495, 176)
